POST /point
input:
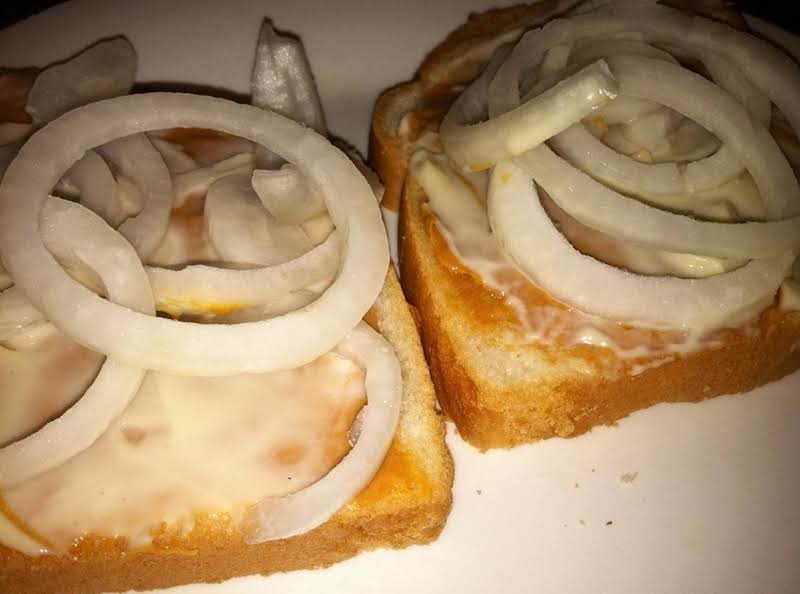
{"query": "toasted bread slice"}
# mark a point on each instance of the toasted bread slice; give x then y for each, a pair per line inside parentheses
(501, 388)
(406, 503)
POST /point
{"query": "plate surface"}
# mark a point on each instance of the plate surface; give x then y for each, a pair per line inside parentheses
(676, 498)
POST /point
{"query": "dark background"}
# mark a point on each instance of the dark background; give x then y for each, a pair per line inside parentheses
(781, 13)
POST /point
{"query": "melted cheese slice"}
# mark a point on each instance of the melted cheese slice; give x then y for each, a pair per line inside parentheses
(186, 446)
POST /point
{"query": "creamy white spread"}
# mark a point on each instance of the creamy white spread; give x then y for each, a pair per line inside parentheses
(185, 446)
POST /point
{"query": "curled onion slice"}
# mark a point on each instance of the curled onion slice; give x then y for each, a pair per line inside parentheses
(274, 518)
(136, 158)
(199, 288)
(175, 158)
(718, 111)
(243, 232)
(180, 347)
(106, 69)
(601, 208)
(286, 196)
(531, 240)
(282, 81)
(769, 69)
(96, 187)
(199, 180)
(477, 146)
(74, 233)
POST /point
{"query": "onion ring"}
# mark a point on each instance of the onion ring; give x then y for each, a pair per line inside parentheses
(476, 147)
(96, 187)
(274, 518)
(199, 180)
(282, 81)
(533, 243)
(199, 288)
(136, 158)
(242, 231)
(66, 226)
(158, 343)
(286, 196)
(106, 69)
(704, 102)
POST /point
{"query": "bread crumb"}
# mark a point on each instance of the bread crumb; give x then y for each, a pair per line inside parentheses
(628, 477)
(609, 523)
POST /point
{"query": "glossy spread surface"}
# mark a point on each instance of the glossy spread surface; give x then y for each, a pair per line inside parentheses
(185, 446)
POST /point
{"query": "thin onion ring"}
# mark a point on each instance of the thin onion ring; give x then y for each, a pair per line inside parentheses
(274, 518)
(66, 227)
(198, 288)
(158, 343)
(642, 77)
(531, 240)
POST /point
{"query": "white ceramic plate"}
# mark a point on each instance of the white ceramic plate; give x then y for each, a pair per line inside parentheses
(677, 498)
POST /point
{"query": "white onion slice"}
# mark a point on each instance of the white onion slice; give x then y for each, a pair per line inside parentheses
(601, 208)
(577, 145)
(74, 233)
(531, 240)
(625, 109)
(106, 69)
(730, 78)
(157, 343)
(651, 131)
(199, 288)
(199, 180)
(719, 112)
(282, 81)
(243, 232)
(274, 518)
(477, 146)
(175, 158)
(96, 187)
(769, 69)
(630, 256)
(135, 158)
(590, 50)
(286, 195)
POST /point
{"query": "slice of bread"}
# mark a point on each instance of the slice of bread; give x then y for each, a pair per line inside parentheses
(501, 388)
(406, 503)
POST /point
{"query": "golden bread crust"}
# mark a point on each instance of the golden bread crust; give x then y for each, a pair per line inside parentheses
(406, 503)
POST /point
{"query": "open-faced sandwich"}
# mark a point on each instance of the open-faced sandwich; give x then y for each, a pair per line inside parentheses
(207, 365)
(598, 212)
